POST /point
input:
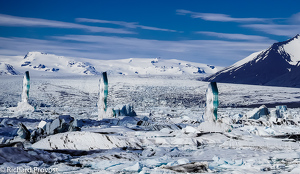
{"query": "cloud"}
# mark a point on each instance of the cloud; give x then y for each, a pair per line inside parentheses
(288, 27)
(236, 36)
(216, 52)
(124, 24)
(15, 21)
(219, 17)
(295, 19)
(276, 29)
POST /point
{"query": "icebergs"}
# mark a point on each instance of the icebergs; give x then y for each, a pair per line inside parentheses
(125, 110)
(103, 110)
(196, 167)
(258, 112)
(63, 123)
(84, 141)
(23, 132)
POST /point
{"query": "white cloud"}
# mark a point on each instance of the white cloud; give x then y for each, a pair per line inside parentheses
(15, 21)
(275, 29)
(236, 36)
(122, 23)
(295, 19)
(219, 17)
(216, 52)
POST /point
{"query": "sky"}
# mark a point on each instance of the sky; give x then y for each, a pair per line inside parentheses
(215, 32)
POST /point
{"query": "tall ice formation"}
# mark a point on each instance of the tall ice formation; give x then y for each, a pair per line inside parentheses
(211, 121)
(26, 87)
(103, 92)
(24, 106)
(212, 102)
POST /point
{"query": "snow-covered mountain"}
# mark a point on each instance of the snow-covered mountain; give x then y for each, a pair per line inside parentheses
(50, 64)
(7, 69)
(275, 66)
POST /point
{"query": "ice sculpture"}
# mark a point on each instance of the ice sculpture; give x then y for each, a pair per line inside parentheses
(212, 102)
(26, 87)
(24, 106)
(103, 92)
(211, 121)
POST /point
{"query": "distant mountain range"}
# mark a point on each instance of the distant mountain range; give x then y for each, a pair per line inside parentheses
(49, 64)
(275, 66)
(7, 69)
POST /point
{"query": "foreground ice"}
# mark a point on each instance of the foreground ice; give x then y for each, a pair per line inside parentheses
(167, 135)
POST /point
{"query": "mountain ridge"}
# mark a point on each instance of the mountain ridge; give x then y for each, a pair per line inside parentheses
(273, 66)
(50, 64)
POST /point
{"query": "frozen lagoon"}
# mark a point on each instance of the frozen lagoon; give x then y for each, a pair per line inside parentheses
(170, 141)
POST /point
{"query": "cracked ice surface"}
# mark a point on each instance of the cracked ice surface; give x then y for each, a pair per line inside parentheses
(164, 137)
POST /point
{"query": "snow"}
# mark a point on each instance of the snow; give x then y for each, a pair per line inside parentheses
(243, 61)
(7, 69)
(44, 64)
(292, 48)
(167, 135)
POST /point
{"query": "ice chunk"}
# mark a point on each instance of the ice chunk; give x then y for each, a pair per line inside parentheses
(23, 132)
(212, 103)
(190, 129)
(195, 167)
(258, 112)
(137, 167)
(54, 126)
(179, 162)
(24, 106)
(15, 155)
(214, 127)
(223, 163)
(280, 110)
(42, 125)
(125, 110)
(85, 141)
(36, 135)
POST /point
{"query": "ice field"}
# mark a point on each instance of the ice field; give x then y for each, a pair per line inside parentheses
(168, 135)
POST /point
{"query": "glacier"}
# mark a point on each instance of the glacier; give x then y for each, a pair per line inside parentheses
(167, 133)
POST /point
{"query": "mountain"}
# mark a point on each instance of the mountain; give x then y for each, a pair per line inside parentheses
(276, 66)
(7, 69)
(49, 64)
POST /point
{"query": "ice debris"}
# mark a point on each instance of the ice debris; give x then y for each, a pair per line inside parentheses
(280, 110)
(103, 110)
(125, 110)
(257, 113)
(220, 163)
(194, 167)
(63, 123)
(85, 141)
(23, 132)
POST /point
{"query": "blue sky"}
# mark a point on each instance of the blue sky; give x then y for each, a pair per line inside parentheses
(213, 32)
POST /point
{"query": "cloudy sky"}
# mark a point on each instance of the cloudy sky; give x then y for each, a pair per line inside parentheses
(213, 32)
